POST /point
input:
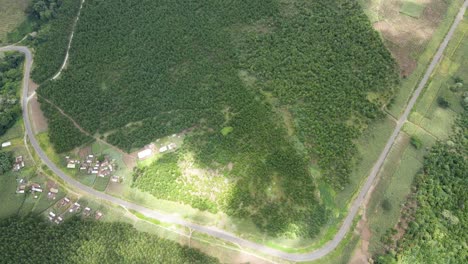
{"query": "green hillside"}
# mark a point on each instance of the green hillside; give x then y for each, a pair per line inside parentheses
(267, 88)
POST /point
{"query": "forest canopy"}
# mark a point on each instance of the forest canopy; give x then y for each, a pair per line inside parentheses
(31, 240)
(141, 70)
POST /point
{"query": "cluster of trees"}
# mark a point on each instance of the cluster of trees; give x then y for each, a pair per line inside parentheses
(41, 11)
(53, 20)
(10, 80)
(438, 224)
(142, 71)
(161, 180)
(6, 161)
(30, 239)
(63, 134)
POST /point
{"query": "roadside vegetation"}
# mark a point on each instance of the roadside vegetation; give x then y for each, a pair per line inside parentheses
(435, 219)
(77, 241)
(10, 80)
(235, 84)
(429, 123)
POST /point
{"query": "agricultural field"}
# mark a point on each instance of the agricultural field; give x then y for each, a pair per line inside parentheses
(258, 114)
(431, 121)
(412, 40)
(12, 15)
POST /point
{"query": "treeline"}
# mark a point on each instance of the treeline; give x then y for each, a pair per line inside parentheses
(53, 22)
(436, 231)
(139, 71)
(11, 74)
(63, 134)
(31, 240)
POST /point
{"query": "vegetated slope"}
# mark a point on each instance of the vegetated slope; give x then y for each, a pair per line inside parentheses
(142, 70)
(63, 134)
(30, 239)
(437, 227)
(10, 80)
(53, 21)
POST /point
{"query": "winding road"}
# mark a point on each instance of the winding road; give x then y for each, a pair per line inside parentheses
(213, 231)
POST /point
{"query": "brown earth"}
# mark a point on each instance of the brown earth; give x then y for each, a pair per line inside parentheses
(39, 121)
(406, 37)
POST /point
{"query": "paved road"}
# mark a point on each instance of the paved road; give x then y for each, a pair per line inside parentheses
(213, 231)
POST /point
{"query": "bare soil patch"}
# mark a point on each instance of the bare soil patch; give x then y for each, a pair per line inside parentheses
(39, 121)
(405, 36)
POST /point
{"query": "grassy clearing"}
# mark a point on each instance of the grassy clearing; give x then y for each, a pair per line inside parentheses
(393, 188)
(428, 114)
(423, 58)
(412, 9)
(11, 16)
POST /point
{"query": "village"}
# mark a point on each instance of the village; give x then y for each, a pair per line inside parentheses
(101, 166)
(66, 207)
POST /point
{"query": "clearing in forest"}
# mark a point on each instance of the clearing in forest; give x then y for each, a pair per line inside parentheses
(266, 87)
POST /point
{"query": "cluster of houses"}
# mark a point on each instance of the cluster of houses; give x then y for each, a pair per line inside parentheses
(91, 165)
(72, 208)
(34, 188)
(151, 149)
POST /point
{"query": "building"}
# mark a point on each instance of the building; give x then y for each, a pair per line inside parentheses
(6, 144)
(163, 149)
(145, 154)
(36, 187)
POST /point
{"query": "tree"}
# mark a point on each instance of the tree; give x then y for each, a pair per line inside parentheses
(6, 161)
(416, 142)
(442, 102)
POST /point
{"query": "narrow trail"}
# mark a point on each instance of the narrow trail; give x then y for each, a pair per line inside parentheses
(69, 42)
(214, 231)
(81, 129)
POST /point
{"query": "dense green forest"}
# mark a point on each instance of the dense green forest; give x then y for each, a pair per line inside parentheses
(142, 70)
(31, 240)
(53, 22)
(6, 161)
(63, 134)
(437, 225)
(11, 74)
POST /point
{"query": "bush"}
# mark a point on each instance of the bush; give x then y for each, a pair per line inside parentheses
(442, 102)
(386, 205)
(416, 142)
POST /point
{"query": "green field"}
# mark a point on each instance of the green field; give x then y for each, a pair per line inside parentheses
(423, 57)
(412, 9)
(11, 16)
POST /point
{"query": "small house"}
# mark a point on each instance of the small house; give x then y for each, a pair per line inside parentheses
(145, 154)
(6, 144)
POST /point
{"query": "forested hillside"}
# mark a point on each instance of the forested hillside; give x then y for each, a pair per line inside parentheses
(31, 240)
(52, 21)
(140, 70)
(437, 226)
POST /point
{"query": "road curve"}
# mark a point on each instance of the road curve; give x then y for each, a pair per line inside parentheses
(213, 231)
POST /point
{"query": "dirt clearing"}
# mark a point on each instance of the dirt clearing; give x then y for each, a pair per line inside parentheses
(39, 121)
(406, 37)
